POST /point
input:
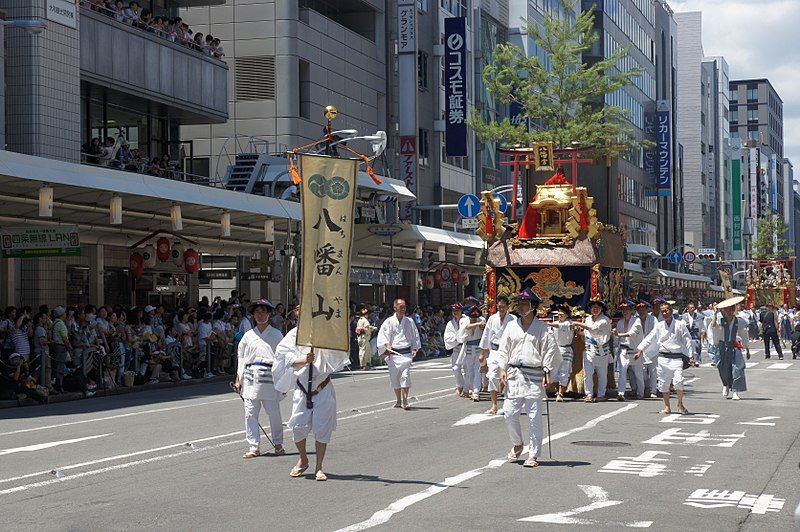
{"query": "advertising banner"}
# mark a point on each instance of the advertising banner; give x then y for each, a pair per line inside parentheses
(455, 86)
(31, 242)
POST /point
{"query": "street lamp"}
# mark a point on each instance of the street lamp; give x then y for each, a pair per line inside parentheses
(30, 25)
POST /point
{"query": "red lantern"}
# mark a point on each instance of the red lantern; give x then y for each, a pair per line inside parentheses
(437, 276)
(162, 249)
(191, 261)
(137, 264)
(455, 275)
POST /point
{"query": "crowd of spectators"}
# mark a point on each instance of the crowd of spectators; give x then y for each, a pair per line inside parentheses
(117, 153)
(89, 348)
(172, 29)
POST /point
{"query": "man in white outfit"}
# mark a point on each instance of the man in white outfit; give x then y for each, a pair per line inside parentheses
(452, 341)
(674, 344)
(527, 354)
(648, 323)
(629, 332)
(597, 333)
(490, 342)
(291, 367)
(398, 341)
(254, 379)
(470, 335)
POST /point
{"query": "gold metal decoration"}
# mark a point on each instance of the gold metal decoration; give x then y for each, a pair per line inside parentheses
(330, 112)
(543, 156)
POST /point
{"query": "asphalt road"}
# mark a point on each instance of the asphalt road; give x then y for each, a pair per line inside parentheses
(170, 459)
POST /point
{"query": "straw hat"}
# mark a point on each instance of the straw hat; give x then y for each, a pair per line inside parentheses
(730, 302)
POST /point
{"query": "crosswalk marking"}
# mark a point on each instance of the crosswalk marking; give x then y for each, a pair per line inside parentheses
(780, 365)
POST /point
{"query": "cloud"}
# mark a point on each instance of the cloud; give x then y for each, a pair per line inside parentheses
(758, 39)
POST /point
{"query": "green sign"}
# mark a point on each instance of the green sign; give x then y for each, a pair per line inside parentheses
(736, 203)
(32, 242)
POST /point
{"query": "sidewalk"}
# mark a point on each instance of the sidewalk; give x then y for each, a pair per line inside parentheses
(76, 396)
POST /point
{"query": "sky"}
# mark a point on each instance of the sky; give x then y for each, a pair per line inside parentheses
(759, 39)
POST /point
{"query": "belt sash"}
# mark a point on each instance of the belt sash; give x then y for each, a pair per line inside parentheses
(530, 373)
(316, 390)
(258, 372)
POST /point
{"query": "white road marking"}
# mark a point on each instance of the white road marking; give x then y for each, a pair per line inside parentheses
(599, 498)
(40, 446)
(382, 516)
(188, 450)
(749, 365)
(760, 422)
(691, 380)
(445, 377)
(117, 416)
(780, 365)
(474, 419)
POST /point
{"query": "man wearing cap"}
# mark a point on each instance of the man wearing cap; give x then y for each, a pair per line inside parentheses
(527, 355)
(398, 341)
(490, 342)
(728, 334)
(453, 342)
(648, 323)
(292, 366)
(254, 379)
(629, 332)
(674, 344)
(470, 337)
(564, 336)
(597, 333)
(61, 346)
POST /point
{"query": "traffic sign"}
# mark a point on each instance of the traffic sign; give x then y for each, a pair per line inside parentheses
(503, 202)
(675, 257)
(689, 257)
(469, 223)
(385, 229)
(469, 206)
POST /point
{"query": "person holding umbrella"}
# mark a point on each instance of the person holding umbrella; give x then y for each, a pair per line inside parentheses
(254, 379)
(729, 336)
(527, 354)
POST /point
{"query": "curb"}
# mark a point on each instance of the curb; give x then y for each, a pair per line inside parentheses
(76, 396)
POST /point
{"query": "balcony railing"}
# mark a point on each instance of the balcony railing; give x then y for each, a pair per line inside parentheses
(143, 166)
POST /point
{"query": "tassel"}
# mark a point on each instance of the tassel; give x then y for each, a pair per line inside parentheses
(293, 172)
(373, 175)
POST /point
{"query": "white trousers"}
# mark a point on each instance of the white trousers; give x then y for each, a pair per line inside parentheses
(493, 374)
(512, 407)
(670, 370)
(399, 371)
(472, 370)
(651, 376)
(600, 367)
(321, 419)
(565, 370)
(457, 363)
(626, 361)
(252, 408)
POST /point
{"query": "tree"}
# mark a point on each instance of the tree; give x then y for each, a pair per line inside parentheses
(565, 103)
(770, 242)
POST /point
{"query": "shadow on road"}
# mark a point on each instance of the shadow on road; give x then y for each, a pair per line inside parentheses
(375, 478)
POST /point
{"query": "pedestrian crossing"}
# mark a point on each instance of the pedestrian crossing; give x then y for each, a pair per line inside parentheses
(767, 364)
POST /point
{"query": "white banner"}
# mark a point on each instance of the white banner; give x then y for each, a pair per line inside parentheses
(328, 196)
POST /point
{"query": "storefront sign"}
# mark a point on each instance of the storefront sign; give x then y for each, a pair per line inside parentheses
(328, 198)
(373, 276)
(455, 68)
(216, 274)
(650, 155)
(255, 276)
(63, 12)
(736, 203)
(406, 26)
(408, 171)
(664, 140)
(29, 242)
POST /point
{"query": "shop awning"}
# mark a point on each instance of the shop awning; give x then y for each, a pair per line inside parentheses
(683, 276)
(641, 249)
(81, 196)
(435, 236)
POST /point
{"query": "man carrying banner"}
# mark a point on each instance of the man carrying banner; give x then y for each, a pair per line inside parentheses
(527, 354)
(398, 340)
(490, 342)
(254, 379)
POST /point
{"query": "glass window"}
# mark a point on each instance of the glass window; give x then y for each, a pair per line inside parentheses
(752, 115)
(734, 115)
(422, 70)
(734, 95)
(424, 148)
(752, 94)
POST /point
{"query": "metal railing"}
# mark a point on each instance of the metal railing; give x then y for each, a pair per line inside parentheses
(142, 166)
(177, 37)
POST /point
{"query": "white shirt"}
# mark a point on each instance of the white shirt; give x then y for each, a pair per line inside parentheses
(326, 361)
(535, 347)
(493, 330)
(400, 335)
(597, 330)
(564, 333)
(257, 346)
(451, 339)
(648, 323)
(672, 338)
(473, 333)
(203, 332)
(632, 326)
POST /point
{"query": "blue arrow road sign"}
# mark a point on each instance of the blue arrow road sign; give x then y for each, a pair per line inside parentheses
(675, 257)
(503, 202)
(469, 206)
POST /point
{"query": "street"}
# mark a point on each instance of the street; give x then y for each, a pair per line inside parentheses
(172, 459)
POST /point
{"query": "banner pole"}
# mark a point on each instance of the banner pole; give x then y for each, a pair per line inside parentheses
(309, 402)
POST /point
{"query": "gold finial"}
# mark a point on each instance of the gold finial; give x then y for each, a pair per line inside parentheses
(330, 112)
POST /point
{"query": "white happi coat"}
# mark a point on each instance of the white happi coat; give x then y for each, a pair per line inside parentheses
(597, 335)
(470, 335)
(256, 355)
(564, 338)
(672, 338)
(451, 338)
(492, 332)
(633, 326)
(526, 355)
